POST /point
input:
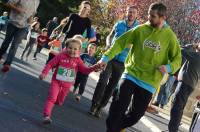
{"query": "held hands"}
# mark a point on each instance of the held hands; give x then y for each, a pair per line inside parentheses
(163, 69)
(42, 77)
(100, 66)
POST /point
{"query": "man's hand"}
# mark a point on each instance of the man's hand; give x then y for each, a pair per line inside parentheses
(20, 10)
(163, 69)
(14, 7)
(102, 65)
(42, 77)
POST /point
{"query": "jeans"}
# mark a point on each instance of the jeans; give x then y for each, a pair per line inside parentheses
(29, 47)
(164, 93)
(3, 27)
(38, 50)
(14, 36)
(182, 93)
(50, 57)
(117, 118)
(108, 80)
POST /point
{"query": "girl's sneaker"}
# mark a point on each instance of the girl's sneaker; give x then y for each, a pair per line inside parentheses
(5, 68)
(47, 120)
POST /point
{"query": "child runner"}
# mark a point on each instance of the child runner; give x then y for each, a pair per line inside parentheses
(81, 78)
(42, 39)
(55, 48)
(67, 63)
(31, 39)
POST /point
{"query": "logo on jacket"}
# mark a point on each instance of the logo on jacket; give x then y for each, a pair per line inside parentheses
(152, 45)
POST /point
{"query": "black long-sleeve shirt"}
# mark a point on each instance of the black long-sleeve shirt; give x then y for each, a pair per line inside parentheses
(77, 25)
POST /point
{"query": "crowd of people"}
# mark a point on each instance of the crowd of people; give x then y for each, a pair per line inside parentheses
(182, 16)
(138, 53)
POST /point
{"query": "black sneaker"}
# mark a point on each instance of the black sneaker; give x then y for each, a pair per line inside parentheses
(156, 104)
(93, 109)
(98, 113)
(162, 106)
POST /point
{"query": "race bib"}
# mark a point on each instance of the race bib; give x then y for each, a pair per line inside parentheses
(65, 74)
(34, 35)
(56, 49)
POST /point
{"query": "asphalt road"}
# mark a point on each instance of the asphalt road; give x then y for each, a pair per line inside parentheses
(22, 96)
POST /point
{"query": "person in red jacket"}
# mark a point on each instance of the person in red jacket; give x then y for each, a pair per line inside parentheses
(66, 65)
(42, 39)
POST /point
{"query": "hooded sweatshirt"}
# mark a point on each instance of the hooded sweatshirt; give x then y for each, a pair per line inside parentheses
(66, 68)
(151, 48)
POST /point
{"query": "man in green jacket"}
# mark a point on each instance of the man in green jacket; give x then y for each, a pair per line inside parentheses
(155, 51)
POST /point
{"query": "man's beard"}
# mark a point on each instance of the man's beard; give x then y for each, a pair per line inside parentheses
(130, 19)
(154, 25)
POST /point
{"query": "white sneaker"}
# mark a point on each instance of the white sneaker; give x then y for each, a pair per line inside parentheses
(47, 120)
(26, 59)
(21, 57)
(34, 58)
(78, 97)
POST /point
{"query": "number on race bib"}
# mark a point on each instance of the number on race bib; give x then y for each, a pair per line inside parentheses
(65, 74)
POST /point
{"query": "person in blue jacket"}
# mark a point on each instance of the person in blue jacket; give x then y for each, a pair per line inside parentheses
(3, 21)
(111, 75)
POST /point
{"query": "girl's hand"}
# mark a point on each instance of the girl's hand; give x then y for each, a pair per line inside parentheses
(42, 77)
(97, 67)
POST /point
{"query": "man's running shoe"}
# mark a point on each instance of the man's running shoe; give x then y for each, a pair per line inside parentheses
(98, 113)
(123, 130)
(93, 109)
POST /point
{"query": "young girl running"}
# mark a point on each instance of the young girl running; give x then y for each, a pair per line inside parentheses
(67, 63)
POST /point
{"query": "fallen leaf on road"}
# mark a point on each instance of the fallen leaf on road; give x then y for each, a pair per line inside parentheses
(5, 93)
(24, 120)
